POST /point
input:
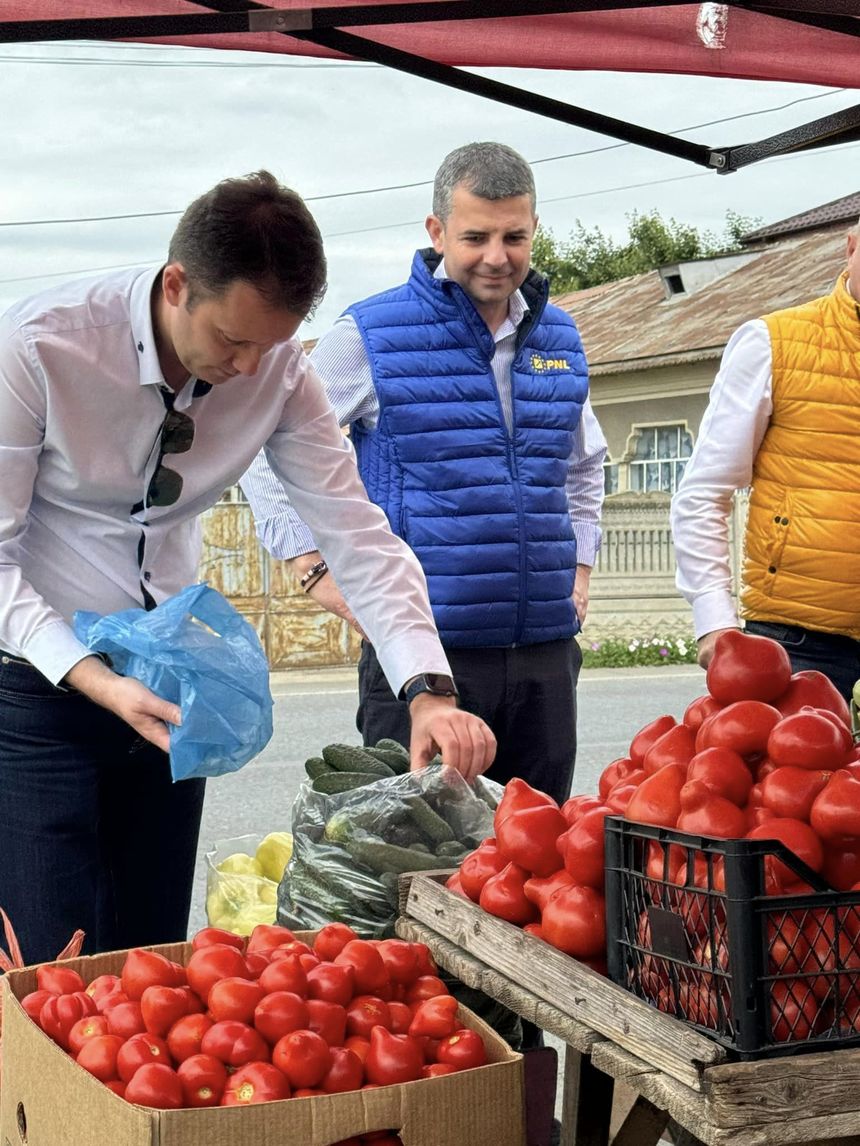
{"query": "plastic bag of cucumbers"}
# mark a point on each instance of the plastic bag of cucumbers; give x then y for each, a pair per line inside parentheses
(361, 820)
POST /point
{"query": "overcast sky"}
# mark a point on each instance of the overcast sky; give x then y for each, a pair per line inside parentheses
(116, 129)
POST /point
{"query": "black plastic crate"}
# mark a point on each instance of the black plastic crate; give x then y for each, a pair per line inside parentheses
(690, 930)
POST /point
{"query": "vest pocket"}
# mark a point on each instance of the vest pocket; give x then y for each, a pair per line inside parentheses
(777, 538)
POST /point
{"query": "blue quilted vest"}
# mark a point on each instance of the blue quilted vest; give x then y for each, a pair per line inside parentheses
(484, 509)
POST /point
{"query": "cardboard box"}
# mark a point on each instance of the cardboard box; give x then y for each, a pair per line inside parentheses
(46, 1099)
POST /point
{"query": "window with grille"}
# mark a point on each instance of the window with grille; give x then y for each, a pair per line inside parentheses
(658, 462)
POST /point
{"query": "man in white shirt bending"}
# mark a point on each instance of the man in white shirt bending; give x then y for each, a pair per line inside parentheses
(783, 420)
(127, 405)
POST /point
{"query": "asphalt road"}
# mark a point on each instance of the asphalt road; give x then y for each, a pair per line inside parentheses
(317, 708)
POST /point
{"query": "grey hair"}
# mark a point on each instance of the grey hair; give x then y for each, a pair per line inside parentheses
(488, 170)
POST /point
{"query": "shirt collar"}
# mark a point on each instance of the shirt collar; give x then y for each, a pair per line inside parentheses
(517, 306)
(142, 330)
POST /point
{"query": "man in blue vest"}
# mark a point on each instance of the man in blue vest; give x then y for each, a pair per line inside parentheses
(466, 395)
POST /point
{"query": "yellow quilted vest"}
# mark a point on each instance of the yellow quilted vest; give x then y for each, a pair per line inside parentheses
(802, 546)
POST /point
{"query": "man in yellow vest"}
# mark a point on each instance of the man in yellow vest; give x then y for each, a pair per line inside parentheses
(784, 419)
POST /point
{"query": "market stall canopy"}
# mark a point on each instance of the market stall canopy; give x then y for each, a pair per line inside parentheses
(804, 41)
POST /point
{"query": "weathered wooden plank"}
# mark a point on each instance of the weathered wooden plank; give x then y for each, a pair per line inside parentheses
(783, 1089)
(568, 985)
(643, 1126)
(477, 974)
(587, 1102)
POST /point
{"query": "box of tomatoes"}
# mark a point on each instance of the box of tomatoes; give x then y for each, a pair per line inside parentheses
(313, 1039)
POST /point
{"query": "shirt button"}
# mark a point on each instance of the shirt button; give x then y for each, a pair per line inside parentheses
(147, 576)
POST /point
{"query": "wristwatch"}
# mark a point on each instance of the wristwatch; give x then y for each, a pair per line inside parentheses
(433, 682)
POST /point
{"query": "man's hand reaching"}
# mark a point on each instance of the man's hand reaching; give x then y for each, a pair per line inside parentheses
(464, 741)
(130, 700)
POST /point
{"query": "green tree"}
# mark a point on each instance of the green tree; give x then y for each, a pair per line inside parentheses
(589, 257)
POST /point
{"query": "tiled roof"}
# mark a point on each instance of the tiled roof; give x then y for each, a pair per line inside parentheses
(631, 325)
(844, 210)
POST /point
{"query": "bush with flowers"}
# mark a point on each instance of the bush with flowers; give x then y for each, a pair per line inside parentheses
(618, 652)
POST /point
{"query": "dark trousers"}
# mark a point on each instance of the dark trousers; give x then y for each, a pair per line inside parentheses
(836, 656)
(93, 832)
(527, 695)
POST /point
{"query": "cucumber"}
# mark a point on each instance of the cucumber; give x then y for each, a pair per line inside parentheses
(396, 761)
(451, 849)
(332, 782)
(430, 823)
(381, 857)
(390, 745)
(316, 766)
(351, 758)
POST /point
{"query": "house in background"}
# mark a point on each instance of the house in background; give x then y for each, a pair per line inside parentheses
(653, 343)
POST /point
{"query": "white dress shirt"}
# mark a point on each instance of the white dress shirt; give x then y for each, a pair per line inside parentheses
(732, 430)
(81, 412)
(340, 359)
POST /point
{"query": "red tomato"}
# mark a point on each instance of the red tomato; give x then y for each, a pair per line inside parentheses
(518, 795)
(125, 1020)
(209, 964)
(234, 1043)
(611, 775)
(58, 980)
(502, 895)
(809, 687)
(794, 1011)
(400, 959)
(59, 1014)
(437, 1070)
(186, 1034)
(285, 974)
(102, 986)
(366, 1012)
(577, 806)
(436, 1018)
(527, 837)
(155, 1085)
(479, 866)
(235, 998)
(209, 935)
(706, 814)
(85, 1029)
(743, 726)
(111, 999)
(724, 772)
(346, 1071)
(268, 936)
(144, 969)
(255, 1082)
(676, 746)
(647, 735)
(401, 1017)
(835, 811)
(798, 838)
(203, 1079)
(807, 739)
(698, 711)
(842, 864)
(581, 848)
(464, 1049)
(138, 1051)
(304, 1058)
(161, 1007)
(657, 800)
(359, 1045)
(34, 1002)
(426, 987)
(334, 982)
(331, 940)
(747, 667)
(540, 891)
(280, 1013)
(789, 792)
(426, 962)
(393, 1058)
(98, 1055)
(327, 1019)
(116, 1086)
(621, 795)
(366, 962)
(574, 922)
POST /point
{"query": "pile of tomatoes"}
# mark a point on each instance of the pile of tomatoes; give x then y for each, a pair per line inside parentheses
(765, 755)
(256, 1020)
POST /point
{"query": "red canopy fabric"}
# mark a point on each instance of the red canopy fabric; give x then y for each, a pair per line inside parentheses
(704, 39)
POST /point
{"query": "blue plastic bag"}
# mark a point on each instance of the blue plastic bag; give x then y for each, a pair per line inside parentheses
(196, 651)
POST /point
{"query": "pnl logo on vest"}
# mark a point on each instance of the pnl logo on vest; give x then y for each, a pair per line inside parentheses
(540, 365)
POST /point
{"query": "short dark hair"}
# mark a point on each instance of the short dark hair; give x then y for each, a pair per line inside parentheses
(255, 230)
(488, 170)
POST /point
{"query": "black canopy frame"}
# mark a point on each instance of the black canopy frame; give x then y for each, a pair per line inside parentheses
(325, 28)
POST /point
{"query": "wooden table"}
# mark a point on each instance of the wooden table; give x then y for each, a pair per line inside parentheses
(675, 1072)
